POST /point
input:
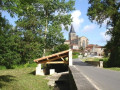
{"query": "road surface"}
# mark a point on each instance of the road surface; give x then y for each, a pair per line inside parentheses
(102, 79)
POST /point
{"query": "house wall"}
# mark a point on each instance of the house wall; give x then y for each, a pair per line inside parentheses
(83, 42)
(68, 43)
(100, 51)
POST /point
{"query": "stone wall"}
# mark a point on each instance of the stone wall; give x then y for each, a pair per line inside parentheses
(95, 63)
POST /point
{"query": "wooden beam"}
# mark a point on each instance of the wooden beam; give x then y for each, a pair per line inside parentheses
(52, 59)
(57, 62)
(53, 55)
(62, 58)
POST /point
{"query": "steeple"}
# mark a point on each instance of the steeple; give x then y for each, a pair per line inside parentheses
(72, 29)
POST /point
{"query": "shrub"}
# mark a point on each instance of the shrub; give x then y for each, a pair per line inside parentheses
(2, 67)
(105, 62)
(76, 53)
(60, 48)
(75, 56)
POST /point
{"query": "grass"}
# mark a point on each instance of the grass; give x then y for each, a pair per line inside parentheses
(75, 56)
(94, 59)
(114, 68)
(90, 59)
(22, 79)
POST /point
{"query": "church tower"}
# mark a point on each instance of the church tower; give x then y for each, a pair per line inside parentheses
(72, 34)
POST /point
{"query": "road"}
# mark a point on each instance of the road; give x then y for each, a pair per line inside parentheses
(102, 79)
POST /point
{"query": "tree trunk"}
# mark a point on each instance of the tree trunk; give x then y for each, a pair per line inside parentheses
(45, 34)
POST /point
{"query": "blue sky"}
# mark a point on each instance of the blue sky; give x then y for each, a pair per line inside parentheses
(83, 26)
(81, 23)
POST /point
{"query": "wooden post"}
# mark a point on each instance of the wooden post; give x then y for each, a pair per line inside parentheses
(70, 57)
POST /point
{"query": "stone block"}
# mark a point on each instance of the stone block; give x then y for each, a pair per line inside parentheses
(101, 64)
(39, 71)
(70, 58)
(52, 71)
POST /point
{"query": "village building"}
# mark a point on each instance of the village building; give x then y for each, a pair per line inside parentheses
(76, 42)
(95, 50)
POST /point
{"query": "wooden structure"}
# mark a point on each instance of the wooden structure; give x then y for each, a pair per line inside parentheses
(57, 58)
(64, 57)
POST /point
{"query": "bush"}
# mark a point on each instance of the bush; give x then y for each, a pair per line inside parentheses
(76, 53)
(2, 67)
(60, 48)
(75, 56)
(105, 62)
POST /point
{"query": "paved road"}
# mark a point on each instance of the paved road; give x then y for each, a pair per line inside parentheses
(102, 78)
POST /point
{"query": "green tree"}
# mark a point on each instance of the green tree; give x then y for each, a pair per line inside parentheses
(9, 43)
(99, 11)
(42, 15)
(38, 20)
(61, 47)
(54, 37)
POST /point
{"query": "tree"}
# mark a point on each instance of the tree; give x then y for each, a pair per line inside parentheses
(99, 11)
(38, 27)
(61, 47)
(9, 43)
(43, 15)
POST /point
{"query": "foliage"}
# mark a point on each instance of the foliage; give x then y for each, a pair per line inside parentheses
(47, 17)
(22, 79)
(75, 56)
(76, 53)
(38, 27)
(54, 37)
(2, 67)
(9, 54)
(60, 48)
(15, 49)
(109, 10)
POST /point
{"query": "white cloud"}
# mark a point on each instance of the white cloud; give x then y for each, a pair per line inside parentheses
(106, 21)
(105, 37)
(88, 28)
(76, 19)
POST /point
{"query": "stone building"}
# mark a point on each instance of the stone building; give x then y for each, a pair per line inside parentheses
(75, 41)
(95, 50)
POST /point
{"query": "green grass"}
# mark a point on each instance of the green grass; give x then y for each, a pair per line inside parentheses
(75, 56)
(114, 68)
(22, 79)
(20, 66)
(91, 59)
(2, 67)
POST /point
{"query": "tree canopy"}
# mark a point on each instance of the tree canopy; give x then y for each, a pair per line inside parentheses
(39, 26)
(101, 10)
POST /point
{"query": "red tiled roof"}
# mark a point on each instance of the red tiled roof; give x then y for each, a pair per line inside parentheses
(73, 44)
(96, 46)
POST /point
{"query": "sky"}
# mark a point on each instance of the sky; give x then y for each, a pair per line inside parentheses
(81, 24)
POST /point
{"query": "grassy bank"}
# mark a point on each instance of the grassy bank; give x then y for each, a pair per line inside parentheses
(104, 64)
(114, 68)
(22, 79)
(75, 55)
(105, 60)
